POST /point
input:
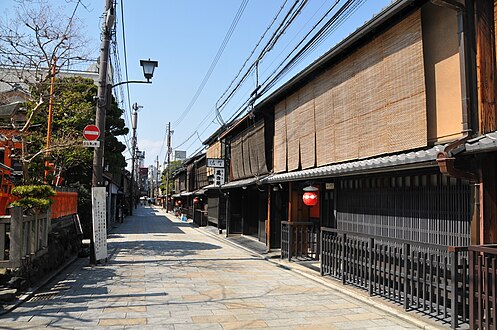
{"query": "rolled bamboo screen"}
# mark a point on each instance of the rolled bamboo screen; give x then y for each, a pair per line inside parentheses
(373, 102)
(248, 155)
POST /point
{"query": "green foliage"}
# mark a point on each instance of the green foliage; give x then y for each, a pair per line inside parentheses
(41, 191)
(30, 203)
(173, 166)
(33, 196)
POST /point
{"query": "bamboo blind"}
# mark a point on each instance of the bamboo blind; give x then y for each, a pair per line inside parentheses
(280, 146)
(248, 153)
(371, 103)
(214, 151)
(237, 158)
(260, 145)
(306, 127)
(292, 130)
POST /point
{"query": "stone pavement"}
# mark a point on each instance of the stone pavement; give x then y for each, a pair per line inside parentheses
(165, 274)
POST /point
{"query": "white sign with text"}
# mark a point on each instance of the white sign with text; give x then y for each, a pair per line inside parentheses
(99, 222)
(218, 176)
(215, 162)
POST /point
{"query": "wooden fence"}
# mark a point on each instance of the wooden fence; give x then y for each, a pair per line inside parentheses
(483, 287)
(65, 203)
(299, 240)
(430, 279)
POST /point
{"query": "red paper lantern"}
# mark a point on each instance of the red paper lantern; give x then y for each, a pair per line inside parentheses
(310, 198)
(179, 202)
(195, 200)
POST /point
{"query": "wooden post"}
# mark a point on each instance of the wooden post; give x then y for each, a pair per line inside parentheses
(407, 252)
(268, 221)
(16, 236)
(371, 266)
(344, 258)
(455, 285)
(2, 241)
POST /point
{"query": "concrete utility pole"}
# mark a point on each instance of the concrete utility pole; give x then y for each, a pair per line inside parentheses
(168, 163)
(97, 176)
(157, 177)
(134, 121)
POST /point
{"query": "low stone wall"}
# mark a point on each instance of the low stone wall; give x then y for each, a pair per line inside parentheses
(64, 242)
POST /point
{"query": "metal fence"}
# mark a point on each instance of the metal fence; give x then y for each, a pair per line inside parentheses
(483, 287)
(427, 278)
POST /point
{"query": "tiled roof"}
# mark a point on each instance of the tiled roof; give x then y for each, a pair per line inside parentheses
(8, 110)
(425, 157)
(486, 142)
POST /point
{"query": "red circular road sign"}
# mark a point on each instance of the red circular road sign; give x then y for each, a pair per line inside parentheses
(91, 132)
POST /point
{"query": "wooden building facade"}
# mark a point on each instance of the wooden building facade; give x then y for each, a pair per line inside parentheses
(396, 129)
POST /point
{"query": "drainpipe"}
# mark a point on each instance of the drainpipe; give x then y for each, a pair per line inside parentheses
(446, 158)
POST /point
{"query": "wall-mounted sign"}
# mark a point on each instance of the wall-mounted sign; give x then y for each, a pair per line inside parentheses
(329, 186)
(218, 176)
(215, 162)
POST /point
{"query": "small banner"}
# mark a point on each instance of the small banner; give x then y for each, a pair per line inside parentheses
(99, 222)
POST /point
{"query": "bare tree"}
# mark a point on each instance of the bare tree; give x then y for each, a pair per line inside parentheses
(34, 44)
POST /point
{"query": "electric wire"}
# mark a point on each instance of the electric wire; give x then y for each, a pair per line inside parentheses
(254, 49)
(279, 30)
(276, 76)
(287, 20)
(213, 65)
(289, 62)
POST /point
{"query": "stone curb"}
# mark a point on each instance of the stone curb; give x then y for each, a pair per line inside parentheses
(32, 291)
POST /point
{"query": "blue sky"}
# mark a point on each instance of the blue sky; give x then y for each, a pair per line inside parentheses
(185, 36)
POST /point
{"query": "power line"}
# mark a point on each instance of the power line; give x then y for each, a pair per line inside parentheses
(220, 51)
(215, 110)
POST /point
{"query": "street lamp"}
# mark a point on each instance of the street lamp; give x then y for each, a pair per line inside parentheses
(148, 68)
(148, 72)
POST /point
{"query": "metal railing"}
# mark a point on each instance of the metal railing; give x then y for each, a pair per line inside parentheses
(299, 240)
(431, 279)
(483, 287)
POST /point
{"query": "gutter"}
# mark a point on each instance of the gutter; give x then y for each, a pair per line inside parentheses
(446, 158)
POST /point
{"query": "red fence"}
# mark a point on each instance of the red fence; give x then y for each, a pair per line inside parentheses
(65, 203)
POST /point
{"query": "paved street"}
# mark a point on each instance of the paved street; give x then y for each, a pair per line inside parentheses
(164, 274)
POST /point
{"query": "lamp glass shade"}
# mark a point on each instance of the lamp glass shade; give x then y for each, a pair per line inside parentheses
(310, 198)
(148, 68)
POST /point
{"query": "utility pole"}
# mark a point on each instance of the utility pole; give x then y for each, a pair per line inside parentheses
(97, 176)
(168, 163)
(157, 177)
(50, 114)
(134, 121)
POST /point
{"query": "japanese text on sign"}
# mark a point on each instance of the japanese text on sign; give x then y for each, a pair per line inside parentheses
(99, 222)
(215, 162)
(218, 176)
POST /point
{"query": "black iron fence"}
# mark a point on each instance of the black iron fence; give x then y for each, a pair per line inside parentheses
(431, 279)
(483, 287)
(299, 240)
